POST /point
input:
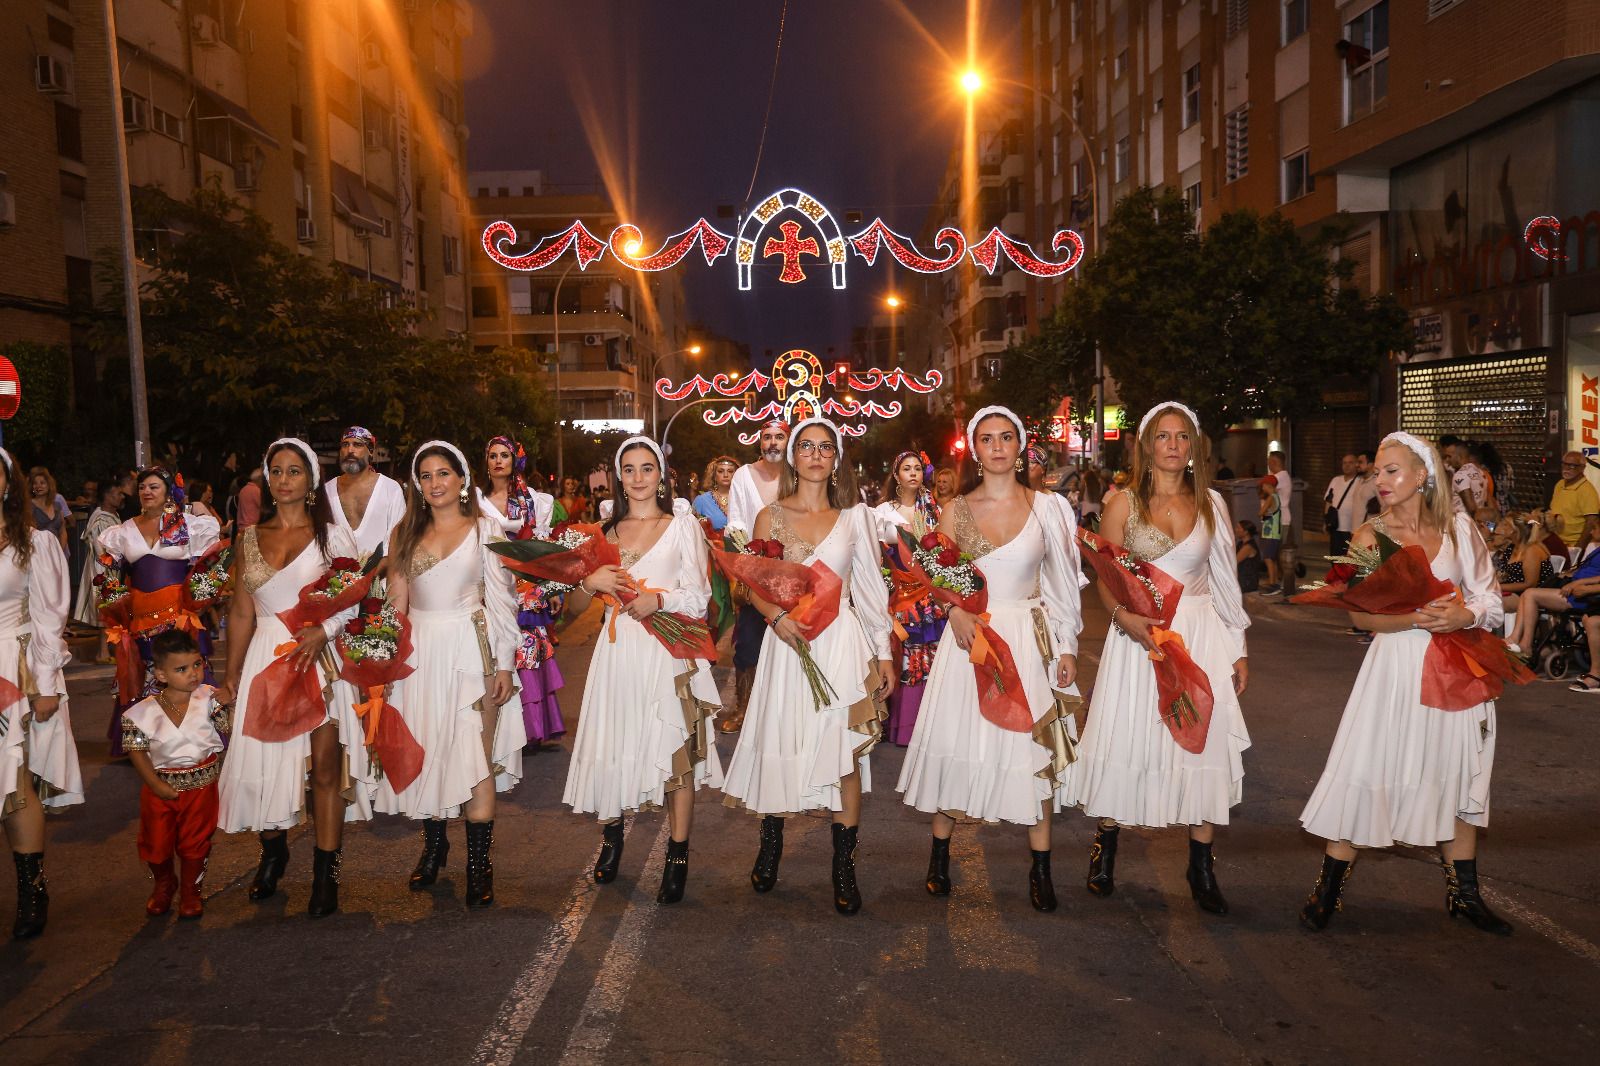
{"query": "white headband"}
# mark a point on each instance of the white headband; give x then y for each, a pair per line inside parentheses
(1004, 412)
(838, 438)
(10, 462)
(305, 453)
(631, 442)
(466, 471)
(1421, 448)
(1169, 405)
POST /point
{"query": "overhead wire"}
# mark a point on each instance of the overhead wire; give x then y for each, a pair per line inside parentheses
(772, 90)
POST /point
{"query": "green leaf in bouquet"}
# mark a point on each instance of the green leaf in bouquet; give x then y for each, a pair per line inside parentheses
(526, 551)
(372, 563)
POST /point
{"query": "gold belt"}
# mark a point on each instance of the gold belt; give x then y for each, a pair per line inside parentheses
(189, 778)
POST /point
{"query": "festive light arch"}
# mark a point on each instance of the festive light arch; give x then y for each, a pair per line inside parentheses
(791, 246)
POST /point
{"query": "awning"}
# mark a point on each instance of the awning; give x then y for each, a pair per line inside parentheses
(214, 105)
(352, 199)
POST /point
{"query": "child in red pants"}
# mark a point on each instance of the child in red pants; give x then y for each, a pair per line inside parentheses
(174, 739)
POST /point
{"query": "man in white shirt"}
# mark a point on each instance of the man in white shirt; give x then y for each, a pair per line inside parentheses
(364, 501)
(1341, 497)
(1288, 555)
(1468, 481)
(754, 487)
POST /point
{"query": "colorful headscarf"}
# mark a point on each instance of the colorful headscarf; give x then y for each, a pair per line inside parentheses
(1035, 454)
(926, 505)
(519, 500)
(174, 528)
(362, 434)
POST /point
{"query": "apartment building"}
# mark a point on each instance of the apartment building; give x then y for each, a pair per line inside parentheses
(1441, 128)
(339, 121)
(610, 331)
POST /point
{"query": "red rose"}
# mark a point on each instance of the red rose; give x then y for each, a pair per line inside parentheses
(774, 549)
(344, 562)
(929, 541)
(948, 557)
(1340, 573)
(355, 627)
(99, 579)
(371, 605)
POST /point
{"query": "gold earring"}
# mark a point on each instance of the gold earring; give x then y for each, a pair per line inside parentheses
(311, 498)
(463, 494)
(1017, 466)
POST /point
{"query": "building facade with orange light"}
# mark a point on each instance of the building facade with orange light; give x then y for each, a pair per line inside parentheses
(1438, 128)
(610, 332)
(338, 121)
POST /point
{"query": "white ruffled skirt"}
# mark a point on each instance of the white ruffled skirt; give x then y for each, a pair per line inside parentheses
(644, 728)
(1400, 771)
(263, 783)
(960, 763)
(440, 703)
(1129, 768)
(46, 749)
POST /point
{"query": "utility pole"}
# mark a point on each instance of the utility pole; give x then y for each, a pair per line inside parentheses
(130, 270)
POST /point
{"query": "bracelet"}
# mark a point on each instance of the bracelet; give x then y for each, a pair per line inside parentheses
(775, 619)
(1114, 622)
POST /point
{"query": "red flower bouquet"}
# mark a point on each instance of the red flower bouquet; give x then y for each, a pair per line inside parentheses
(1461, 669)
(286, 701)
(1184, 690)
(935, 566)
(209, 579)
(808, 592)
(581, 549)
(374, 649)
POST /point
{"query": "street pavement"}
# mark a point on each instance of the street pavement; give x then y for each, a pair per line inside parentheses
(560, 970)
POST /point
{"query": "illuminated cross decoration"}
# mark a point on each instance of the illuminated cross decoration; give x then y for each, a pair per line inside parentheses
(791, 248)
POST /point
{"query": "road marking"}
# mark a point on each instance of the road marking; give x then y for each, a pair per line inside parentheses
(500, 1043)
(1545, 927)
(591, 1034)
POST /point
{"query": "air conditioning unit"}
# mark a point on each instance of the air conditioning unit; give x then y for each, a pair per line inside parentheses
(206, 30)
(592, 340)
(135, 114)
(305, 230)
(372, 53)
(8, 209)
(373, 136)
(246, 176)
(51, 75)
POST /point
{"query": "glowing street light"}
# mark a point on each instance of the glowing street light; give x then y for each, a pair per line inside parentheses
(971, 81)
(633, 248)
(892, 302)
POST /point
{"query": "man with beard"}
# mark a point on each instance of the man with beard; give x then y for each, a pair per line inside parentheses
(365, 502)
(754, 487)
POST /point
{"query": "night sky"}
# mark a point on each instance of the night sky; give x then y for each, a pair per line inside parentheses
(667, 98)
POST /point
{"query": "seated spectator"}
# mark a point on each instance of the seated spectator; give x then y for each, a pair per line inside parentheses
(1549, 524)
(1583, 582)
(1527, 566)
(1247, 553)
(1271, 538)
(1574, 498)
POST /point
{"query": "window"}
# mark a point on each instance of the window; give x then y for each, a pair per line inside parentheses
(1119, 170)
(1238, 142)
(1077, 101)
(1055, 152)
(452, 256)
(1119, 65)
(1074, 13)
(1296, 176)
(69, 132)
(485, 301)
(167, 124)
(1366, 62)
(1191, 96)
(1080, 177)
(1236, 17)
(520, 291)
(1296, 15)
(1191, 196)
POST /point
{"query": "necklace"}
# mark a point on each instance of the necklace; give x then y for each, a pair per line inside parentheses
(168, 709)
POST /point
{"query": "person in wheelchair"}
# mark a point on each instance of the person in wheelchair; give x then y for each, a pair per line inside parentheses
(1575, 604)
(1523, 563)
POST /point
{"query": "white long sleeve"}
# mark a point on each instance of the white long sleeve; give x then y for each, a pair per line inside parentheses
(49, 604)
(341, 544)
(691, 586)
(1480, 591)
(499, 600)
(204, 533)
(1226, 599)
(544, 508)
(1061, 575)
(744, 502)
(868, 596)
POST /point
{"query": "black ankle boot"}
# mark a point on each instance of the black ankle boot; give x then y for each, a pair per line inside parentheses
(1326, 894)
(1461, 897)
(480, 869)
(1103, 862)
(435, 850)
(274, 858)
(33, 897)
(605, 867)
(765, 872)
(1041, 890)
(1203, 881)
(324, 882)
(846, 896)
(939, 868)
(676, 873)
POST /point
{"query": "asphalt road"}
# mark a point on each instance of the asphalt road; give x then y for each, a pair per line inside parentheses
(560, 970)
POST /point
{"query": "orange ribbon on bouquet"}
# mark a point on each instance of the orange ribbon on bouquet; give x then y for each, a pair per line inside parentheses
(683, 637)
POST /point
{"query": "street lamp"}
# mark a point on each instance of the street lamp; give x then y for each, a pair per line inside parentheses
(971, 83)
(655, 361)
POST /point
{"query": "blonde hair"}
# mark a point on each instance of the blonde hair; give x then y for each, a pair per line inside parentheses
(1197, 477)
(841, 485)
(1438, 504)
(709, 479)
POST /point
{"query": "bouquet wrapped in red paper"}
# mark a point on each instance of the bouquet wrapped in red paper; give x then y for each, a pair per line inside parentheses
(1184, 690)
(808, 592)
(209, 578)
(936, 566)
(577, 551)
(1461, 669)
(374, 649)
(114, 601)
(286, 701)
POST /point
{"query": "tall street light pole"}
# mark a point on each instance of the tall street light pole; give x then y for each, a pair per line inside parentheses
(972, 83)
(555, 316)
(130, 271)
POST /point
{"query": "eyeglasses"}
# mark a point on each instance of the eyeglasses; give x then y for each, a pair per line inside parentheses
(827, 449)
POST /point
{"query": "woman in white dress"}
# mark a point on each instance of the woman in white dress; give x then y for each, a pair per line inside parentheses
(38, 757)
(1130, 770)
(960, 764)
(644, 729)
(263, 783)
(155, 549)
(909, 505)
(522, 513)
(792, 756)
(461, 702)
(1401, 771)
